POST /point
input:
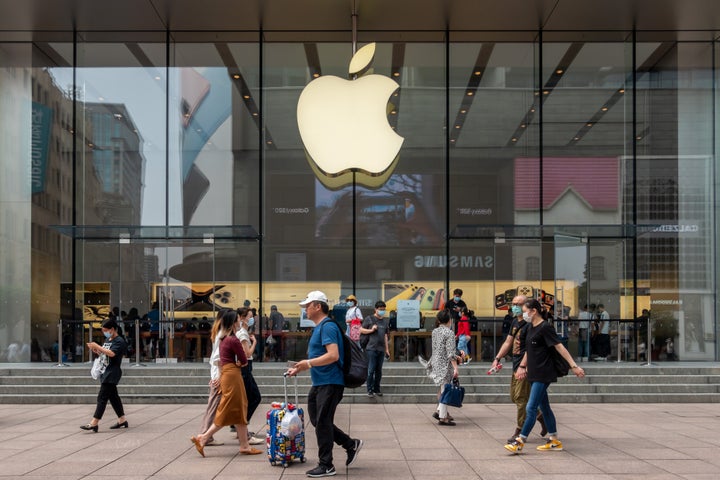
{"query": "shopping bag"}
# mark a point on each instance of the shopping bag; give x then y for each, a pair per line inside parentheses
(453, 394)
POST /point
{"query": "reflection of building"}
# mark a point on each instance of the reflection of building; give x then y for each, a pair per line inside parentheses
(116, 147)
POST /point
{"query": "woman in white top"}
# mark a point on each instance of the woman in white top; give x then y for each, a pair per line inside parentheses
(353, 318)
(214, 385)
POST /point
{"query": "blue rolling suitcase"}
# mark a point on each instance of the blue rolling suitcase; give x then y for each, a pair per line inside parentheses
(285, 438)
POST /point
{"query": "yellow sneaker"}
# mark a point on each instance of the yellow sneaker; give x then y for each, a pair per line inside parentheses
(551, 445)
(515, 446)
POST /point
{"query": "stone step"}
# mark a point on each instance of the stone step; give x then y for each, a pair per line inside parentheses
(187, 383)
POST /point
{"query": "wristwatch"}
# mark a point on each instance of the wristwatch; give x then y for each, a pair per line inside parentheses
(309, 364)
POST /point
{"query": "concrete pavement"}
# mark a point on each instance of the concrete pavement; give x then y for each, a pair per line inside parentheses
(402, 441)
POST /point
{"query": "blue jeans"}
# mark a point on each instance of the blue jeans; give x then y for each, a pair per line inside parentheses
(583, 343)
(375, 363)
(463, 343)
(538, 399)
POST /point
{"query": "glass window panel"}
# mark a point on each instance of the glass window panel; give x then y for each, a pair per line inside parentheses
(121, 141)
(214, 134)
(674, 192)
(493, 130)
(400, 222)
(587, 128)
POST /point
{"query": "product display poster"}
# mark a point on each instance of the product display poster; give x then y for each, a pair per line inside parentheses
(408, 314)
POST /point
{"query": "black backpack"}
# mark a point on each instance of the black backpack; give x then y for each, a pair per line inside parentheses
(355, 365)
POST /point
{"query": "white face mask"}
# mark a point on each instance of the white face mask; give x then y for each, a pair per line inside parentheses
(251, 321)
(527, 316)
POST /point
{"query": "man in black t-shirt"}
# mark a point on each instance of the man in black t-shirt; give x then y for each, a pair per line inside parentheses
(515, 342)
(455, 305)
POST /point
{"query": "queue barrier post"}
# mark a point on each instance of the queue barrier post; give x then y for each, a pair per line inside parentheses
(60, 345)
(137, 344)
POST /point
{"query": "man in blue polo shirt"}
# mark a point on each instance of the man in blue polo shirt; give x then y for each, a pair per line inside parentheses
(325, 360)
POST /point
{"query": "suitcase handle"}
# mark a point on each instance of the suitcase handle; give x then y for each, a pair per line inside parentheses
(285, 375)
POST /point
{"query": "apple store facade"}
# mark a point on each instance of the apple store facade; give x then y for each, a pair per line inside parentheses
(152, 168)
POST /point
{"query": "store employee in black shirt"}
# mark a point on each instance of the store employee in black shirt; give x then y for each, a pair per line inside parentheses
(456, 305)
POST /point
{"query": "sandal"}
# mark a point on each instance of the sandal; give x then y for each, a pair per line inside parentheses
(198, 445)
(447, 422)
(251, 451)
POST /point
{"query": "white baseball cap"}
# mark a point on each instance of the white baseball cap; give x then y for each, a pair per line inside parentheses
(314, 296)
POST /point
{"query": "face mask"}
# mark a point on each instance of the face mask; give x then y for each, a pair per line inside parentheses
(527, 316)
(107, 334)
(350, 304)
(457, 299)
(381, 313)
(251, 321)
(516, 310)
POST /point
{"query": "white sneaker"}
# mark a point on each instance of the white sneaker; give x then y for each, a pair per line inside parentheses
(256, 441)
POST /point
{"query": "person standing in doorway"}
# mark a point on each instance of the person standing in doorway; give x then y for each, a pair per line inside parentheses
(376, 327)
(277, 320)
(584, 318)
(604, 335)
(353, 318)
(325, 363)
(463, 335)
(456, 305)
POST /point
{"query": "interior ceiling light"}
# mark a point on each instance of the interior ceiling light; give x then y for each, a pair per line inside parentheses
(478, 73)
(470, 94)
(316, 75)
(246, 97)
(236, 76)
(559, 71)
(463, 111)
(396, 74)
(622, 90)
(604, 109)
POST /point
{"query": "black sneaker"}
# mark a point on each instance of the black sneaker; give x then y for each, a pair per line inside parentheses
(371, 394)
(321, 471)
(352, 453)
(378, 393)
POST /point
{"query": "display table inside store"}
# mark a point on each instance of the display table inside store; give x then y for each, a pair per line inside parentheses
(406, 346)
(293, 346)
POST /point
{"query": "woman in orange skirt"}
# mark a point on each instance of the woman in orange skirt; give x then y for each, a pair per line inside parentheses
(233, 404)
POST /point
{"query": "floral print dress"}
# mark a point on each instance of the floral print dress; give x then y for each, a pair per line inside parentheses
(443, 350)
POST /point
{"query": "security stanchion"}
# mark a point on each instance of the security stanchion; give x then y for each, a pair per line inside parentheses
(90, 340)
(648, 345)
(60, 345)
(137, 344)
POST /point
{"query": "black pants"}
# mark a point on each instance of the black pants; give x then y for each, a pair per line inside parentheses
(108, 391)
(252, 391)
(322, 403)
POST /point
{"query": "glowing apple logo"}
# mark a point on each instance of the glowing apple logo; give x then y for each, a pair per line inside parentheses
(343, 123)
